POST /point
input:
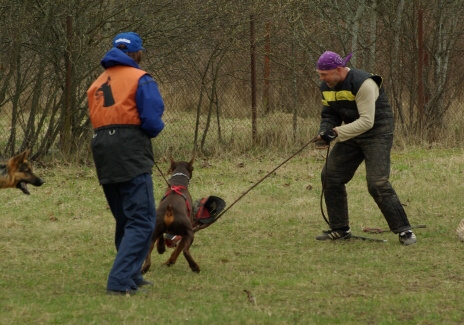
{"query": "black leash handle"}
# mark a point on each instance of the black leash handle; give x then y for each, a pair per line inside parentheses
(266, 176)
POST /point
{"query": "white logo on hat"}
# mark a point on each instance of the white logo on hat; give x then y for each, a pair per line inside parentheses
(122, 40)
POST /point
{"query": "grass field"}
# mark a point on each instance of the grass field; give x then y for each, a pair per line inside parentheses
(56, 248)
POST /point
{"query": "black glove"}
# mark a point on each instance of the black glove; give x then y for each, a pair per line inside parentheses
(328, 135)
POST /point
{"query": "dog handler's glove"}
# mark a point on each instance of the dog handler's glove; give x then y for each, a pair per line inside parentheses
(321, 144)
(328, 135)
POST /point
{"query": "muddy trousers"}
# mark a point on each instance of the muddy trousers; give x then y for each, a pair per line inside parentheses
(343, 161)
(133, 207)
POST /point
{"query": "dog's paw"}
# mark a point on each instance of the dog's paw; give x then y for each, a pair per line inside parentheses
(145, 270)
(195, 268)
(169, 262)
(160, 248)
(145, 267)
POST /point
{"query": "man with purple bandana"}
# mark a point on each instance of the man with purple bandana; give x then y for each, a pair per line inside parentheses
(356, 110)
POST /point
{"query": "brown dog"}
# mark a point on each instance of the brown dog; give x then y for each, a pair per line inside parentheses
(17, 172)
(174, 216)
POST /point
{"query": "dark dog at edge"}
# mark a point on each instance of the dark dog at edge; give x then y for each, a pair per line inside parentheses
(174, 216)
(17, 172)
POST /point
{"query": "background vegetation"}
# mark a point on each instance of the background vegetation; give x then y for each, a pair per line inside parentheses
(239, 85)
(227, 69)
(57, 248)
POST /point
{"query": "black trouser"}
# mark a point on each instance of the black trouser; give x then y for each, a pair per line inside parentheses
(342, 163)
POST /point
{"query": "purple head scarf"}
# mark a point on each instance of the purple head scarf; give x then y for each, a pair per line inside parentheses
(331, 60)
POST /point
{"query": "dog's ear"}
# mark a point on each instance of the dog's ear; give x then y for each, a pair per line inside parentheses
(22, 156)
(193, 157)
(172, 167)
(190, 166)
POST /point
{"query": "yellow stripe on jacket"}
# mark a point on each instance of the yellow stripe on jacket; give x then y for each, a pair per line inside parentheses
(332, 96)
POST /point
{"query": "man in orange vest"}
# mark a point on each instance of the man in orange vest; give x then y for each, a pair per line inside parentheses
(126, 109)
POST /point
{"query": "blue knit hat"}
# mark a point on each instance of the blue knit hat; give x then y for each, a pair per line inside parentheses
(132, 41)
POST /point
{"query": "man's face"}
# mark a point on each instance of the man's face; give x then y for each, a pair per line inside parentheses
(330, 77)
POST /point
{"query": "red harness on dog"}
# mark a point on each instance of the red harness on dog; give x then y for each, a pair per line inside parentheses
(177, 189)
(205, 212)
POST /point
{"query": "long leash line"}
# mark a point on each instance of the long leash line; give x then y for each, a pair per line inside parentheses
(162, 175)
(323, 187)
(266, 176)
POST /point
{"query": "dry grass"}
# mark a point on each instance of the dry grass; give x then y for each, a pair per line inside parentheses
(57, 248)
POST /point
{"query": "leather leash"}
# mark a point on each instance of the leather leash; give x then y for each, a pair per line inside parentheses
(266, 176)
(161, 173)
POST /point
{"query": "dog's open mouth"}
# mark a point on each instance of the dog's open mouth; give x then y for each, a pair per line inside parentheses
(23, 187)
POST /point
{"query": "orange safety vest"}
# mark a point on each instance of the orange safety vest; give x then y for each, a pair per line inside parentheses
(112, 97)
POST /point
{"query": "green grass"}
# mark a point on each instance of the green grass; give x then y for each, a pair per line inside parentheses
(56, 248)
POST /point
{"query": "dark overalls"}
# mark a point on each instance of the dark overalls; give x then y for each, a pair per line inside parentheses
(373, 147)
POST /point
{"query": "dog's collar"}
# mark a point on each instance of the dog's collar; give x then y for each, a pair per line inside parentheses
(180, 174)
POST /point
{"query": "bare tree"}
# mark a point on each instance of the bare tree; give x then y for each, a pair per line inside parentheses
(199, 53)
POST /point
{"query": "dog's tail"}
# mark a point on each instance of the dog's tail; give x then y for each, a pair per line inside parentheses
(168, 215)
